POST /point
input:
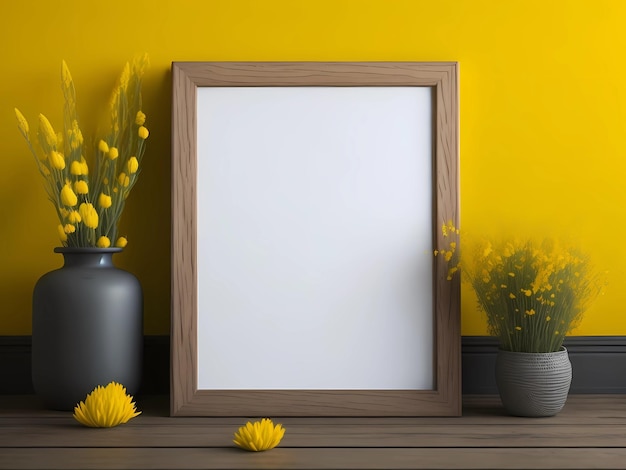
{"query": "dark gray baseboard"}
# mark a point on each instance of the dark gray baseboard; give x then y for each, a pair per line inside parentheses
(15, 365)
(598, 364)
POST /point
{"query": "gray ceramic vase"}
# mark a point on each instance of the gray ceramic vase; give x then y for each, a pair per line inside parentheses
(87, 328)
(533, 384)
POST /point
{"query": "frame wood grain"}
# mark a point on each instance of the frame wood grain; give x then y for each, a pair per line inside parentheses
(186, 400)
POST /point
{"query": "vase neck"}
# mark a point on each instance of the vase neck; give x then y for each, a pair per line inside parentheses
(88, 257)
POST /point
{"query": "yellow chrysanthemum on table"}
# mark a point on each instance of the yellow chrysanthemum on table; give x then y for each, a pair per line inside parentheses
(97, 190)
(106, 407)
(259, 436)
(533, 293)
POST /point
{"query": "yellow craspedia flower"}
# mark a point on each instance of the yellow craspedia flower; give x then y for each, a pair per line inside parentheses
(68, 197)
(103, 242)
(73, 217)
(123, 179)
(88, 214)
(140, 119)
(76, 168)
(22, 123)
(104, 201)
(259, 436)
(81, 187)
(113, 153)
(48, 131)
(133, 165)
(121, 242)
(106, 407)
(57, 160)
(62, 234)
(103, 146)
(143, 133)
(83, 166)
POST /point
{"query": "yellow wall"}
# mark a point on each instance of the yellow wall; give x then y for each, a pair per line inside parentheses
(543, 115)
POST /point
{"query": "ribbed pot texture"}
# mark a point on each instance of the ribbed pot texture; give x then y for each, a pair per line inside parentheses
(533, 384)
(87, 328)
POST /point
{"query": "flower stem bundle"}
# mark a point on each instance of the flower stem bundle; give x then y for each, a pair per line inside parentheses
(89, 197)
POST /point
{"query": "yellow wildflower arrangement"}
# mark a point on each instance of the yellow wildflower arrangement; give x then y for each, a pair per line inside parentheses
(89, 199)
(533, 293)
(106, 407)
(259, 436)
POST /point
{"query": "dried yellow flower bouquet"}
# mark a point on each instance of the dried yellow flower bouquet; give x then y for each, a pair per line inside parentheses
(89, 200)
(533, 293)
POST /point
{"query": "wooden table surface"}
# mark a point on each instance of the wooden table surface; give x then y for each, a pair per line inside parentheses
(589, 433)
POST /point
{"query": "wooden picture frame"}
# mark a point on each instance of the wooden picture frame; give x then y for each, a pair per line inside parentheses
(443, 398)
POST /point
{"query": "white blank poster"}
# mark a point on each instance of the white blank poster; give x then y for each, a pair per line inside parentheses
(314, 238)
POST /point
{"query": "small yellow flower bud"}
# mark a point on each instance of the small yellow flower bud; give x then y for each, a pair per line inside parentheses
(66, 76)
(22, 123)
(121, 242)
(57, 161)
(75, 136)
(104, 201)
(69, 228)
(83, 166)
(81, 187)
(73, 217)
(123, 179)
(88, 214)
(113, 153)
(143, 133)
(140, 119)
(68, 197)
(103, 242)
(103, 146)
(133, 165)
(62, 234)
(48, 132)
(125, 77)
(76, 168)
